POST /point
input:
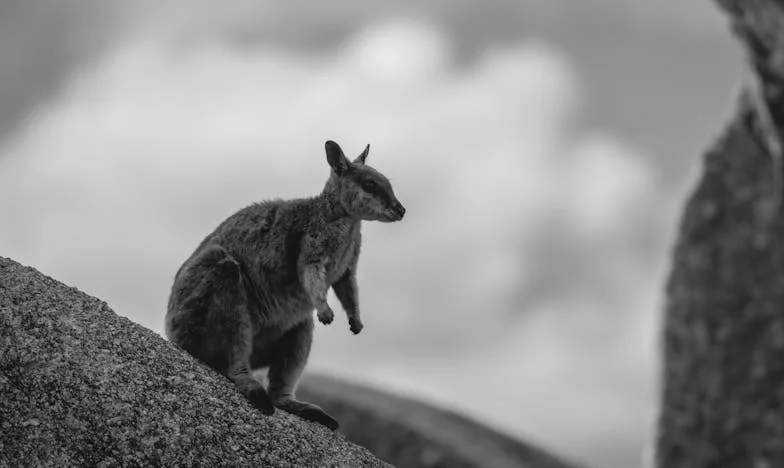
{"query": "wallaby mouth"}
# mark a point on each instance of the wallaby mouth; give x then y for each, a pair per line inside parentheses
(395, 213)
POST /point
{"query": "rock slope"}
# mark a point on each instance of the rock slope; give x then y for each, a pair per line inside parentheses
(82, 386)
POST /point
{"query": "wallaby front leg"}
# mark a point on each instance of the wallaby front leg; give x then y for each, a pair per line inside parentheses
(347, 293)
(314, 280)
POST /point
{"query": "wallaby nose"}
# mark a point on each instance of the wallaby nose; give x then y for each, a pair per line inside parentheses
(401, 210)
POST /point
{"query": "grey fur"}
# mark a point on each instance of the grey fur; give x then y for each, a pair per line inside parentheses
(245, 297)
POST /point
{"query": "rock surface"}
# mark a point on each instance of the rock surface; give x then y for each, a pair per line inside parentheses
(723, 392)
(82, 386)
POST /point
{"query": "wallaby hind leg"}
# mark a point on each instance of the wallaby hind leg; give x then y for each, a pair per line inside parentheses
(225, 342)
(289, 356)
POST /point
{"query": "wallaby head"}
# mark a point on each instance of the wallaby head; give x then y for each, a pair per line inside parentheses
(362, 191)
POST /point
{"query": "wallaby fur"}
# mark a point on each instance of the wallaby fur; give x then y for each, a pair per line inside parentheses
(244, 299)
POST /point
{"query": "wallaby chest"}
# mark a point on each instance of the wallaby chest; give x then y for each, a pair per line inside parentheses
(344, 248)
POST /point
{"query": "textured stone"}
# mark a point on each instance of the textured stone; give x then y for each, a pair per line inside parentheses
(82, 386)
(723, 391)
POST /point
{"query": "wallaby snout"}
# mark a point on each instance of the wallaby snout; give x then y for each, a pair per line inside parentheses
(396, 212)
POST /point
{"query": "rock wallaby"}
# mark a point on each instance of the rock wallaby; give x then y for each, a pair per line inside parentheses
(244, 299)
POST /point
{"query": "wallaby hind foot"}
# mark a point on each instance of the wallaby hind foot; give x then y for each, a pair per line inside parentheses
(308, 411)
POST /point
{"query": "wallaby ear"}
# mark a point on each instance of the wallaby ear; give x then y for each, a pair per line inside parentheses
(361, 158)
(335, 157)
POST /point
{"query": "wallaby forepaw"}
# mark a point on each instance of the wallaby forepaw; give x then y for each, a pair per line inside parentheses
(355, 325)
(326, 316)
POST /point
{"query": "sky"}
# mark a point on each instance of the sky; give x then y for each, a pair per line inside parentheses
(542, 150)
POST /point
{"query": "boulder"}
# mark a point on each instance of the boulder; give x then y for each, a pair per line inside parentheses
(410, 433)
(722, 401)
(83, 386)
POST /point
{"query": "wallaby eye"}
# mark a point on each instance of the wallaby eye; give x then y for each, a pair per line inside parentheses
(368, 186)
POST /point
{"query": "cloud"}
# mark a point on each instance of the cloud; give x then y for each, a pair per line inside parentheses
(508, 201)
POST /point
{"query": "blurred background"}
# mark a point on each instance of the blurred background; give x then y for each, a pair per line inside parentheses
(542, 149)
